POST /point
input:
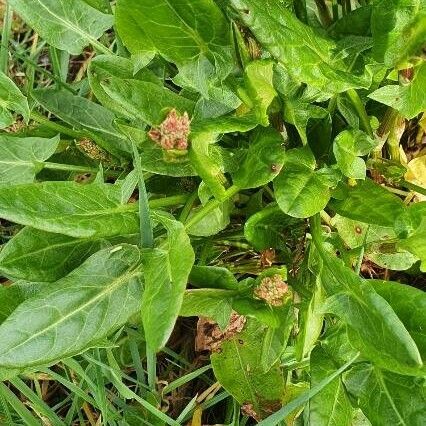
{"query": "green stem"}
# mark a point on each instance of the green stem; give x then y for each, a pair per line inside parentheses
(413, 187)
(151, 368)
(174, 200)
(5, 36)
(211, 205)
(41, 119)
(188, 206)
(76, 168)
(146, 232)
(360, 109)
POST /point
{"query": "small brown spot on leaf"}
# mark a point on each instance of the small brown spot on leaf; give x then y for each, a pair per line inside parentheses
(358, 230)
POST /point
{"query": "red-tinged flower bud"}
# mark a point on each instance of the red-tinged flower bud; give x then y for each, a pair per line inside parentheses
(173, 132)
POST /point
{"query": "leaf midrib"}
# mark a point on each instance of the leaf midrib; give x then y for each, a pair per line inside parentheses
(109, 289)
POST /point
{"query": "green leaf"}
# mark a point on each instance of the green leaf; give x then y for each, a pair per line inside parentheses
(331, 406)
(213, 277)
(144, 100)
(374, 327)
(386, 398)
(258, 76)
(264, 160)
(269, 227)
(410, 99)
(238, 369)
(311, 317)
(10, 298)
(215, 220)
(409, 303)
(166, 271)
(83, 114)
(370, 203)
(379, 242)
(11, 99)
(390, 21)
(300, 190)
(22, 158)
(69, 316)
(214, 304)
(67, 26)
(348, 147)
(299, 112)
(104, 68)
(307, 55)
(289, 408)
(42, 256)
(179, 31)
(80, 211)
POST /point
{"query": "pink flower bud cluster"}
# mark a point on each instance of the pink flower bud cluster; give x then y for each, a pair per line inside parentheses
(173, 132)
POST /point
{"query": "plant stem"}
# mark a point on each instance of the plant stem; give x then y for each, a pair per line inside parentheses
(146, 232)
(360, 109)
(210, 206)
(324, 13)
(77, 168)
(151, 368)
(174, 200)
(413, 187)
(188, 206)
(5, 36)
(41, 119)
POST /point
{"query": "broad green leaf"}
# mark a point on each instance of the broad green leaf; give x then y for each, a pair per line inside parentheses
(331, 406)
(166, 271)
(379, 242)
(144, 100)
(300, 190)
(214, 304)
(410, 99)
(22, 158)
(80, 211)
(213, 277)
(83, 114)
(348, 147)
(269, 228)
(374, 327)
(238, 369)
(10, 298)
(299, 112)
(370, 203)
(386, 398)
(306, 54)
(101, 5)
(264, 160)
(36, 255)
(215, 220)
(180, 31)
(356, 22)
(389, 24)
(311, 317)
(409, 303)
(104, 68)
(258, 76)
(65, 25)
(410, 227)
(69, 316)
(43, 256)
(200, 76)
(11, 99)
